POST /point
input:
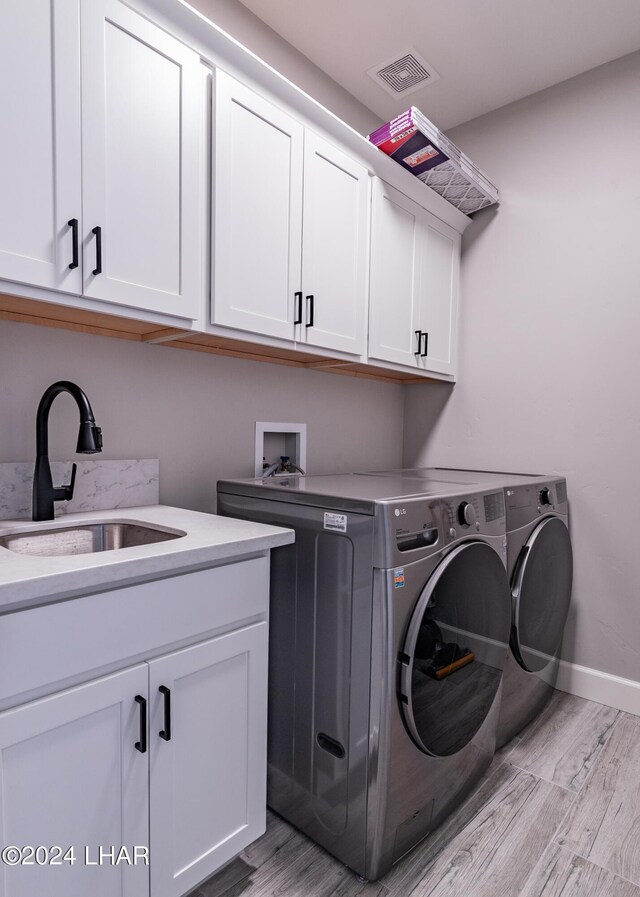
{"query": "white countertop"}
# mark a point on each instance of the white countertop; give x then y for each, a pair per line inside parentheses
(27, 581)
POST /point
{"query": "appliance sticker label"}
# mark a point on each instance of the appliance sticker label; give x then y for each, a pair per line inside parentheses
(335, 522)
(398, 578)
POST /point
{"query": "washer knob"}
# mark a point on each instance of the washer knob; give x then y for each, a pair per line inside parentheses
(545, 496)
(466, 513)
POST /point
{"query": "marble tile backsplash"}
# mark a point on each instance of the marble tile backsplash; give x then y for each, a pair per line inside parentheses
(100, 486)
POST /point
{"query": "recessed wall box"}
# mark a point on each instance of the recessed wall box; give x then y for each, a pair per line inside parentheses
(277, 440)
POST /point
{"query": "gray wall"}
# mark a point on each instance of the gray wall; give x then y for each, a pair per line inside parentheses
(194, 412)
(550, 336)
(249, 30)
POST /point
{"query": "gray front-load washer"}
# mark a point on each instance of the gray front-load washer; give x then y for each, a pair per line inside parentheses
(390, 620)
(540, 569)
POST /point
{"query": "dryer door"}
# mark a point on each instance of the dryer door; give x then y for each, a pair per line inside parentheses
(541, 591)
(455, 649)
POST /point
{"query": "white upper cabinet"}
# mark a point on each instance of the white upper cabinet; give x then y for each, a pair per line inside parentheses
(257, 211)
(414, 284)
(40, 147)
(290, 226)
(141, 113)
(334, 253)
(106, 194)
(439, 290)
(395, 276)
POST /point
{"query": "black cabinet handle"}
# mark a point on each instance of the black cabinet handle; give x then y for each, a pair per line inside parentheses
(98, 235)
(166, 732)
(142, 744)
(298, 298)
(73, 224)
(311, 308)
(419, 338)
(423, 354)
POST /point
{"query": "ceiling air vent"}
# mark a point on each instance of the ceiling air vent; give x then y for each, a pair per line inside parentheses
(403, 73)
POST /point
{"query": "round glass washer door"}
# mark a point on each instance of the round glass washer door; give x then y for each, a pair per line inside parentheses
(455, 649)
(541, 592)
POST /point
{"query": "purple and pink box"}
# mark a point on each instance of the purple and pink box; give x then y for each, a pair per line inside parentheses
(416, 144)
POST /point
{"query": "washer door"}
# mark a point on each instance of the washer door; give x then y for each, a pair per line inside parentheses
(455, 649)
(541, 593)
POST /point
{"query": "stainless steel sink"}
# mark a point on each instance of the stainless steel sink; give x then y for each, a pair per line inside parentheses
(85, 539)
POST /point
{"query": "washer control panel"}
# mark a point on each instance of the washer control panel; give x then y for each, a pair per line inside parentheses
(418, 526)
(530, 501)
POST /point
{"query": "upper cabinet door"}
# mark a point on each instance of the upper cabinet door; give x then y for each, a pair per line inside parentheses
(40, 146)
(208, 742)
(141, 115)
(257, 203)
(415, 262)
(439, 288)
(395, 273)
(334, 249)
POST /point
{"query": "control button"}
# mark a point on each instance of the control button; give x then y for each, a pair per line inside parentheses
(477, 526)
(452, 533)
(466, 514)
(545, 496)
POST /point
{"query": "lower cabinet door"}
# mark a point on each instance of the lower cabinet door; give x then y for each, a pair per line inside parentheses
(208, 736)
(73, 792)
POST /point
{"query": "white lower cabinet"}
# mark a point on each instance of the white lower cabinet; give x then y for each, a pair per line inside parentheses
(72, 778)
(414, 284)
(208, 741)
(146, 781)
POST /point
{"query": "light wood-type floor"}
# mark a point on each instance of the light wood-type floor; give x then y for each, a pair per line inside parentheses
(557, 815)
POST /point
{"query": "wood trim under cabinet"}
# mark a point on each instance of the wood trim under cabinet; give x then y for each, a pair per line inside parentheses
(49, 314)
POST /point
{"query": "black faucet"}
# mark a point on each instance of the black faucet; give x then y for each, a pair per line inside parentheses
(89, 442)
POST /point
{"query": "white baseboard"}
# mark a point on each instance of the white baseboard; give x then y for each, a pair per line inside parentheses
(603, 688)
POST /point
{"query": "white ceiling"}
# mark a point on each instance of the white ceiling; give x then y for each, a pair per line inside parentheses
(487, 52)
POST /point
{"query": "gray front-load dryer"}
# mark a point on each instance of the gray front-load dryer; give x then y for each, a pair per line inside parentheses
(540, 569)
(390, 620)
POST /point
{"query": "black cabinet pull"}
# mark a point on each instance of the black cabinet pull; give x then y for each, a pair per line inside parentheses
(142, 744)
(423, 354)
(298, 298)
(73, 224)
(419, 338)
(311, 307)
(98, 235)
(166, 732)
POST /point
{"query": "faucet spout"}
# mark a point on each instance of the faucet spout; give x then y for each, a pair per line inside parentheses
(89, 442)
